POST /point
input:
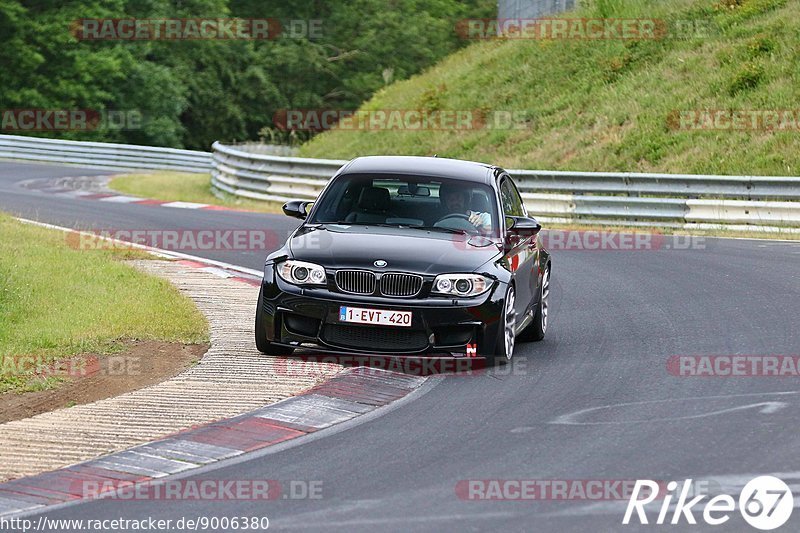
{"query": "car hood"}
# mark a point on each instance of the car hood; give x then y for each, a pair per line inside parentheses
(403, 249)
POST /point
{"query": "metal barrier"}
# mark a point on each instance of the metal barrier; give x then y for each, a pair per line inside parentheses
(269, 177)
(103, 155)
(762, 202)
(532, 9)
(591, 197)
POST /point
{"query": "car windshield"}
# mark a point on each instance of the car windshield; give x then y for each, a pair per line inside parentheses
(445, 204)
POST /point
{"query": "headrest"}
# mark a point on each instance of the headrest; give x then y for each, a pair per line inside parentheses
(374, 199)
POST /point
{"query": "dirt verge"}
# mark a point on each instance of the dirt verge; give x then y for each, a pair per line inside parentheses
(89, 377)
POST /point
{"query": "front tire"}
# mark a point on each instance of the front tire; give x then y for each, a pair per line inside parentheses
(536, 330)
(262, 344)
(507, 334)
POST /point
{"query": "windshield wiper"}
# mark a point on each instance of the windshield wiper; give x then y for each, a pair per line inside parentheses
(376, 224)
(380, 224)
(403, 226)
(439, 228)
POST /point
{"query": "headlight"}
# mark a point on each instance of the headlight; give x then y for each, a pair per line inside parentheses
(464, 285)
(301, 273)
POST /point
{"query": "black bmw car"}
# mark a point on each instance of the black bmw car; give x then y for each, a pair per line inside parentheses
(407, 256)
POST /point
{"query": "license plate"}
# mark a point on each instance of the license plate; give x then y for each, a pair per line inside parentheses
(379, 317)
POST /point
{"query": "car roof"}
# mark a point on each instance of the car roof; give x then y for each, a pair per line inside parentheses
(421, 166)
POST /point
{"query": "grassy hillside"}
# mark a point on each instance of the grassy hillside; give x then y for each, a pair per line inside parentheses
(611, 104)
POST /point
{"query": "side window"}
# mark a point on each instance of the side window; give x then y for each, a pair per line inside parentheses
(512, 203)
(518, 202)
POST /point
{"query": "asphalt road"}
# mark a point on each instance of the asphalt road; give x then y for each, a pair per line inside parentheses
(617, 318)
(106, 216)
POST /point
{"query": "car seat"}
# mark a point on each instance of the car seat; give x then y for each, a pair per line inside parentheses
(374, 204)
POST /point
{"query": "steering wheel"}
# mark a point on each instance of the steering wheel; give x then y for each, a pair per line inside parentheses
(457, 217)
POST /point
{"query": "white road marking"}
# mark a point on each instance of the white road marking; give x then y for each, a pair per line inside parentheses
(184, 205)
(120, 199)
(76, 194)
(766, 408)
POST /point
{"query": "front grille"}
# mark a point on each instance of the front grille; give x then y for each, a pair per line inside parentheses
(400, 284)
(374, 338)
(355, 281)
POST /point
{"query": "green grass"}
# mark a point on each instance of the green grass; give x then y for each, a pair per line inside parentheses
(184, 187)
(608, 105)
(57, 302)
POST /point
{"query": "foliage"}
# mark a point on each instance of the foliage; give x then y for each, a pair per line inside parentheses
(190, 93)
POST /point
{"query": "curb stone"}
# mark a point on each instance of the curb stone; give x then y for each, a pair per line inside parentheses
(351, 393)
(231, 378)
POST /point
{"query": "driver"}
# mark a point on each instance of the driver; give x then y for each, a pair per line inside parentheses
(455, 200)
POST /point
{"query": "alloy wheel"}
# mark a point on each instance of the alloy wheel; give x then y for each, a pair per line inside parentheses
(510, 318)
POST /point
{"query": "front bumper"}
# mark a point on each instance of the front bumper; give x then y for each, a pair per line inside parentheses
(309, 319)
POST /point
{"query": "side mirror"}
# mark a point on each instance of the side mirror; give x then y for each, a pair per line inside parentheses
(296, 208)
(523, 226)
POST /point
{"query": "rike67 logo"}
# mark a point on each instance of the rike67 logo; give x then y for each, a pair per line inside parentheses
(765, 503)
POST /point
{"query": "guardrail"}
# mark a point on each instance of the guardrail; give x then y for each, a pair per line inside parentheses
(594, 197)
(269, 177)
(757, 202)
(103, 155)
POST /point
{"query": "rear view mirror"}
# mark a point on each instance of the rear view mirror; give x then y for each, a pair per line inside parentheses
(413, 190)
